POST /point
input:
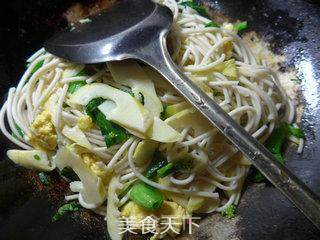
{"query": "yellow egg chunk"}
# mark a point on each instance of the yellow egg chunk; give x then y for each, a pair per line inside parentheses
(167, 210)
(45, 133)
(85, 123)
(97, 166)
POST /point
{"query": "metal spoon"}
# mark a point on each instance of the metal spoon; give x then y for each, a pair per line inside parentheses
(137, 29)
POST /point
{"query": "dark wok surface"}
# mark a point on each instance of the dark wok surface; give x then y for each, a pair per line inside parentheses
(292, 27)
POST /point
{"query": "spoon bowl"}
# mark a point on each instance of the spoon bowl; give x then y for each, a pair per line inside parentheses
(110, 36)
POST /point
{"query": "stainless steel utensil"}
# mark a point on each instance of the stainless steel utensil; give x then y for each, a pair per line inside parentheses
(137, 29)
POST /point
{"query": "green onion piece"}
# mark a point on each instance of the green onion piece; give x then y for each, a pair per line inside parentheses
(212, 24)
(20, 131)
(274, 144)
(69, 207)
(92, 107)
(181, 165)
(146, 196)
(200, 9)
(241, 26)
(37, 66)
(157, 162)
(74, 86)
(36, 157)
(43, 179)
(166, 170)
(68, 173)
(113, 133)
(277, 138)
(229, 212)
(297, 132)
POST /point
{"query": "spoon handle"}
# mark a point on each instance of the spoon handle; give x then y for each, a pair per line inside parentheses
(292, 187)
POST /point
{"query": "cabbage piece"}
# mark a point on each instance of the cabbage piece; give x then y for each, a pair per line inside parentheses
(162, 132)
(93, 191)
(31, 159)
(75, 134)
(144, 152)
(189, 118)
(113, 214)
(131, 74)
(175, 108)
(128, 113)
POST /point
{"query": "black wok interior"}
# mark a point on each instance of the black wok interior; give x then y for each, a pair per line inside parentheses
(292, 27)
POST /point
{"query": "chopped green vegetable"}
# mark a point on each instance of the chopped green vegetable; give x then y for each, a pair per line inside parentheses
(113, 133)
(200, 9)
(20, 131)
(92, 107)
(146, 196)
(69, 207)
(274, 144)
(37, 157)
(241, 26)
(68, 173)
(163, 113)
(212, 24)
(174, 167)
(277, 138)
(229, 212)
(43, 179)
(157, 162)
(297, 132)
(37, 66)
(166, 170)
(74, 86)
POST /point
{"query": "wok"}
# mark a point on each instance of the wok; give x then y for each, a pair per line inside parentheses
(291, 27)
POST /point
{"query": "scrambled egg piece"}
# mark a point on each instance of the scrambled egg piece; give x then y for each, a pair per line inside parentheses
(85, 123)
(97, 166)
(45, 133)
(172, 210)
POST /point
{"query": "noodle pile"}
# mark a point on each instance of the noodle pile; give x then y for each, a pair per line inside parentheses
(254, 98)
